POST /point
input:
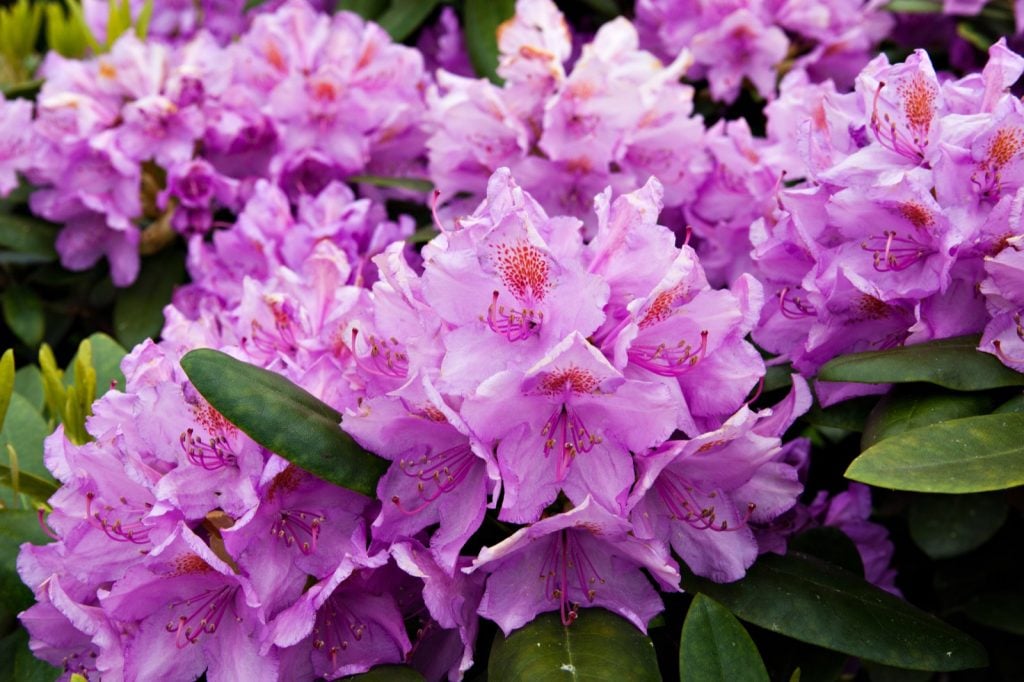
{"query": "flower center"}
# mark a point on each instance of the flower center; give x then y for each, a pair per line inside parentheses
(437, 473)
(204, 613)
(336, 627)
(119, 529)
(892, 253)
(669, 360)
(680, 498)
(299, 528)
(384, 357)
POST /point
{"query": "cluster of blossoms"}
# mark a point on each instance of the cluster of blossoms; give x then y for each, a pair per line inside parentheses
(911, 190)
(174, 529)
(754, 40)
(167, 135)
(614, 117)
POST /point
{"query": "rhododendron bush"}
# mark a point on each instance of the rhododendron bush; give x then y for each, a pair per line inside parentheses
(511, 340)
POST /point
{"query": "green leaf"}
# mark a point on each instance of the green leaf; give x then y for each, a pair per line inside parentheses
(24, 314)
(28, 236)
(367, 9)
(422, 235)
(848, 415)
(946, 526)
(139, 309)
(16, 527)
(607, 8)
(106, 359)
(283, 418)
(776, 377)
(481, 21)
(969, 455)
(599, 645)
(387, 673)
(6, 383)
(915, 6)
(831, 545)
(19, 663)
(952, 363)
(402, 19)
(815, 602)
(915, 406)
(1000, 610)
(28, 382)
(25, 429)
(1015, 404)
(414, 184)
(25, 89)
(35, 487)
(973, 35)
(715, 646)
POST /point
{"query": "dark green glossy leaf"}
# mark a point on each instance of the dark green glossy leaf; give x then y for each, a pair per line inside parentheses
(969, 455)
(106, 360)
(598, 646)
(16, 527)
(283, 418)
(776, 377)
(715, 646)
(831, 545)
(414, 184)
(607, 8)
(367, 9)
(480, 24)
(915, 6)
(952, 363)
(28, 236)
(1015, 404)
(139, 309)
(19, 663)
(388, 673)
(815, 602)
(848, 415)
(946, 526)
(912, 407)
(402, 19)
(422, 235)
(6, 382)
(1000, 610)
(28, 382)
(24, 314)
(25, 89)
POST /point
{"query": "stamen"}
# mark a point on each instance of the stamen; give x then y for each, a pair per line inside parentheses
(515, 324)
(385, 357)
(892, 253)
(567, 567)
(669, 361)
(299, 528)
(794, 307)
(336, 628)
(210, 607)
(438, 473)
(213, 455)
(565, 429)
(133, 531)
(679, 497)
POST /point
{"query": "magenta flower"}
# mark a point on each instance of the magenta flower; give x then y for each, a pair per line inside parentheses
(15, 141)
(581, 558)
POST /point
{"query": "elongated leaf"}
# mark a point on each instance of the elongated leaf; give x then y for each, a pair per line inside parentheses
(915, 6)
(950, 525)
(831, 545)
(402, 19)
(6, 383)
(598, 646)
(999, 610)
(1015, 404)
(139, 310)
(28, 382)
(481, 21)
(912, 407)
(952, 363)
(25, 429)
(848, 415)
(24, 314)
(715, 646)
(28, 236)
(969, 455)
(283, 418)
(815, 602)
(39, 489)
(414, 184)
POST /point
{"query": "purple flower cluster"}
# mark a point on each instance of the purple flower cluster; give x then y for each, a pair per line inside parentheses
(164, 136)
(911, 184)
(524, 369)
(755, 40)
(613, 117)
